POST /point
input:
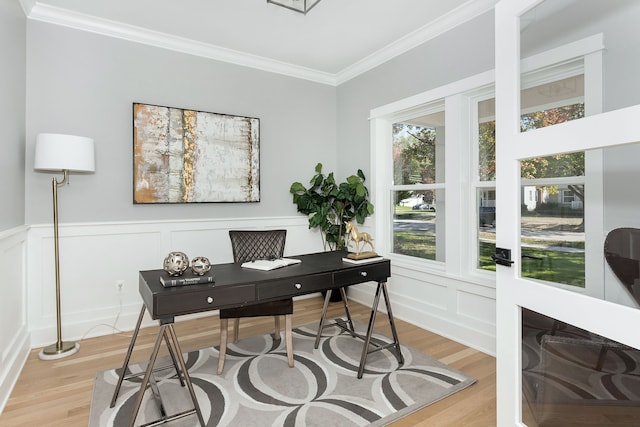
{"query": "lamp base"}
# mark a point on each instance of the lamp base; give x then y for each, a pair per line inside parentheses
(52, 352)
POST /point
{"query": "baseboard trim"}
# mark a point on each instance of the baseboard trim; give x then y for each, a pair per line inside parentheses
(12, 367)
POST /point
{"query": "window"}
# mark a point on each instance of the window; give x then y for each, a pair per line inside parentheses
(418, 186)
(484, 182)
(547, 206)
(552, 224)
(569, 197)
(456, 234)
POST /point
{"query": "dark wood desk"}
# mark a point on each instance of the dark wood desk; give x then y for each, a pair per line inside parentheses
(236, 286)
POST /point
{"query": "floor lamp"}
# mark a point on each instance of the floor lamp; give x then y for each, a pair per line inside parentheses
(61, 153)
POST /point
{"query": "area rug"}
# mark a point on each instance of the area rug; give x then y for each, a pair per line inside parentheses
(257, 388)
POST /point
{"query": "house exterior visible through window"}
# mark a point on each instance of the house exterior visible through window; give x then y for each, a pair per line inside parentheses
(418, 186)
(439, 212)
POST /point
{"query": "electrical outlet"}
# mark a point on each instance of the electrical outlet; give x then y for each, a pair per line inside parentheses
(119, 285)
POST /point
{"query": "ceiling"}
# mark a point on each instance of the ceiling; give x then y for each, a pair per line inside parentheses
(335, 41)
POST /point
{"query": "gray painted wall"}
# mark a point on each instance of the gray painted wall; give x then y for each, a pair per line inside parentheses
(85, 84)
(461, 52)
(12, 111)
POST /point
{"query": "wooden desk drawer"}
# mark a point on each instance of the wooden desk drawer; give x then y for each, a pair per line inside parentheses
(203, 300)
(295, 286)
(363, 273)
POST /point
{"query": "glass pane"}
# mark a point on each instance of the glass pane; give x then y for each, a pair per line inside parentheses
(486, 196)
(418, 150)
(552, 233)
(554, 23)
(561, 165)
(486, 202)
(487, 140)
(552, 103)
(572, 377)
(418, 224)
(552, 222)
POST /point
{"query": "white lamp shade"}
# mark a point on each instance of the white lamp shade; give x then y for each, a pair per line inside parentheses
(58, 152)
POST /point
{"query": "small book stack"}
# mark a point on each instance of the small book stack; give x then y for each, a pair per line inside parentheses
(187, 278)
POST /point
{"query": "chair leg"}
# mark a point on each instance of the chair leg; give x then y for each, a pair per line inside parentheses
(224, 323)
(276, 321)
(288, 337)
(236, 328)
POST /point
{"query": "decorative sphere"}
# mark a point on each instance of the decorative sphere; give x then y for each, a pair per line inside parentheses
(176, 263)
(200, 265)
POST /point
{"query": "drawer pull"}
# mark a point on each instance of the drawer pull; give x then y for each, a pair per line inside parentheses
(209, 300)
(298, 285)
(363, 273)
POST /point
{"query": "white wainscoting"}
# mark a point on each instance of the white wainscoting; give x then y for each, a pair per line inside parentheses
(93, 257)
(451, 307)
(14, 333)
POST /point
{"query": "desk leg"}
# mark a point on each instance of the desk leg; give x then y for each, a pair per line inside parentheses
(372, 321)
(324, 314)
(187, 379)
(147, 374)
(346, 308)
(392, 323)
(127, 358)
(173, 358)
(327, 297)
(165, 333)
(382, 288)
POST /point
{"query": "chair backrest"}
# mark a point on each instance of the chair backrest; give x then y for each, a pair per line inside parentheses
(249, 245)
(622, 252)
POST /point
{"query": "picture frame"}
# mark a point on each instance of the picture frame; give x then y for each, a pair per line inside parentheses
(190, 156)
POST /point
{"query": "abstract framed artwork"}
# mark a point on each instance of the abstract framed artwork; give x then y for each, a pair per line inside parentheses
(188, 156)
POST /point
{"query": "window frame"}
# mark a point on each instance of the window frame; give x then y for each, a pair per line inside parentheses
(433, 107)
(462, 180)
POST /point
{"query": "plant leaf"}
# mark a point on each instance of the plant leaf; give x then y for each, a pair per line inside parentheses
(297, 187)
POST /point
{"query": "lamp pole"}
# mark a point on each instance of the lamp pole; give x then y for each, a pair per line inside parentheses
(60, 348)
(61, 153)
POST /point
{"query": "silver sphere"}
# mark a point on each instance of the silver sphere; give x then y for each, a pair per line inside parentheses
(200, 265)
(176, 263)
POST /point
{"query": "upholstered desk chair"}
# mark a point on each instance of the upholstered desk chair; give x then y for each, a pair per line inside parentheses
(249, 245)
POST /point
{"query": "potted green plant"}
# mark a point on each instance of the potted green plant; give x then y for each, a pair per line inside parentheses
(329, 205)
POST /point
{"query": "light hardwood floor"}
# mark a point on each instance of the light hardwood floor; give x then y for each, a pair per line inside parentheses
(58, 393)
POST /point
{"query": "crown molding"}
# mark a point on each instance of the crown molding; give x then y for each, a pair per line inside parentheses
(27, 5)
(58, 16)
(93, 24)
(458, 16)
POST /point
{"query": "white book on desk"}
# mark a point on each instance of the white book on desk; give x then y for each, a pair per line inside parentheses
(270, 264)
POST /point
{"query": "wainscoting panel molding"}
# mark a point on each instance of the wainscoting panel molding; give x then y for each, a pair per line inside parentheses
(457, 309)
(14, 333)
(95, 256)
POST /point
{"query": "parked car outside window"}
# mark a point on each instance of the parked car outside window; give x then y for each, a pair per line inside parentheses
(424, 207)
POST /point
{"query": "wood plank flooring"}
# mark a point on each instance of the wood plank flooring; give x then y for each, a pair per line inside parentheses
(58, 393)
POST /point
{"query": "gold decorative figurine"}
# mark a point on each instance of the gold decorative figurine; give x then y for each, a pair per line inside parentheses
(359, 240)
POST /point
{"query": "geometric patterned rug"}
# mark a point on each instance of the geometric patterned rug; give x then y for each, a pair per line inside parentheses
(257, 388)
